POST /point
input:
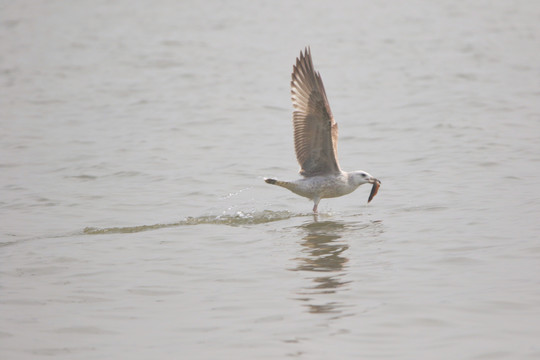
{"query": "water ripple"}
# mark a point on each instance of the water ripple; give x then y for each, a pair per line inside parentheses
(238, 219)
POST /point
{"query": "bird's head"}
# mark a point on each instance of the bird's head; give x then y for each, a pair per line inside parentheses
(358, 178)
(361, 177)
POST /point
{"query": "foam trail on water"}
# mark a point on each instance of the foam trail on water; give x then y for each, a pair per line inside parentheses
(238, 219)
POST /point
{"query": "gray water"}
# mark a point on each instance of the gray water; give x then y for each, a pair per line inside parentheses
(135, 222)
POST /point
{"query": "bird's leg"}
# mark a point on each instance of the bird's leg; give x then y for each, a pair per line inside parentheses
(315, 205)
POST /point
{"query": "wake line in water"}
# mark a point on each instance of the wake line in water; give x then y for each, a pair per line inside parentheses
(238, 219)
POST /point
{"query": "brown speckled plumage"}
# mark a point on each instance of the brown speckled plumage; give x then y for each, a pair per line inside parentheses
(315, 130)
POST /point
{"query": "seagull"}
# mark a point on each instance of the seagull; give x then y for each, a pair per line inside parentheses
(315, 141)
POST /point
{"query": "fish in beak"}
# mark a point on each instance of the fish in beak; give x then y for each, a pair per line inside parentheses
(374, 189)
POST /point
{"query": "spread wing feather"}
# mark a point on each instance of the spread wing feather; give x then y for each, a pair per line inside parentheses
(315, 130)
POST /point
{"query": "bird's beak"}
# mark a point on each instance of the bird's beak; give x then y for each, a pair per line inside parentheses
(374, 189)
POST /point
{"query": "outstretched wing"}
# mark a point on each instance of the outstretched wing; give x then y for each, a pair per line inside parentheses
(315, 130)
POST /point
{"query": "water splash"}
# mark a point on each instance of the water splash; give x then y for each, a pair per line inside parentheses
(237, 219)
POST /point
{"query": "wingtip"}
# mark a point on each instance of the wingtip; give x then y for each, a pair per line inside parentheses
(303, 54)
(307, 51)
(303, 65)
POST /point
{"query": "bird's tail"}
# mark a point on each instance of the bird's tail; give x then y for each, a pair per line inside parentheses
(276, 182)
(289, 185)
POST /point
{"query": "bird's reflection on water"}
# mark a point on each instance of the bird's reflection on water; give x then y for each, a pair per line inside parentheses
(323, 256)
(323, 251)
(324, 261)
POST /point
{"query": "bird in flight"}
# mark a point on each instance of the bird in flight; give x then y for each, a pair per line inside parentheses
(315, 141)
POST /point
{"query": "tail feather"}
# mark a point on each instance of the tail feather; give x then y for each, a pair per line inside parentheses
(287, 185)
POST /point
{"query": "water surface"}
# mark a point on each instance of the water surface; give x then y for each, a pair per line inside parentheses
(135, 222)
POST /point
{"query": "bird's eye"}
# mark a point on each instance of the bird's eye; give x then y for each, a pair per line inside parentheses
(363, 175)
